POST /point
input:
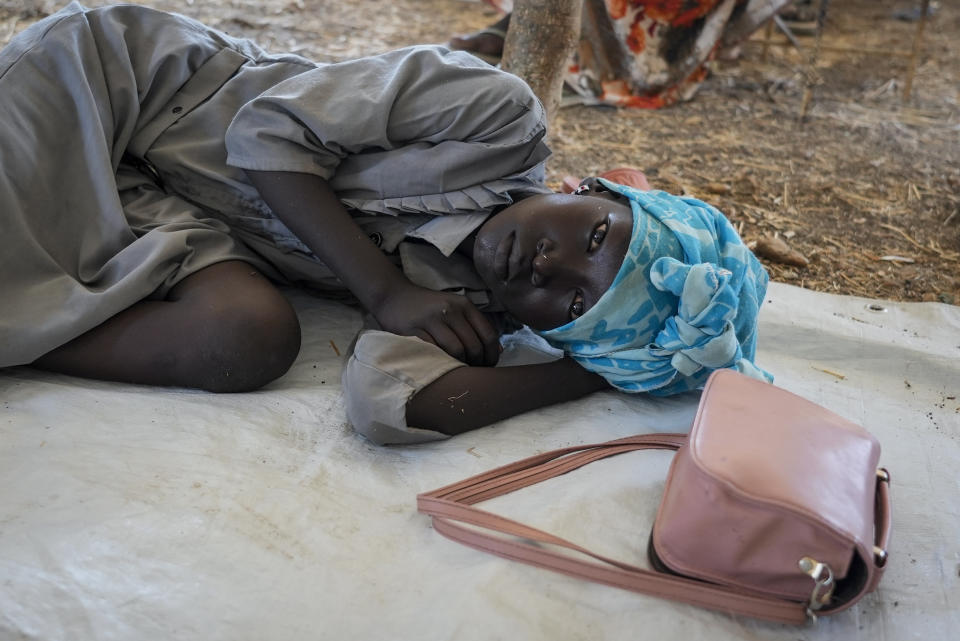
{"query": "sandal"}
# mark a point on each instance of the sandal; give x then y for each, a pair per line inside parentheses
(622, 175)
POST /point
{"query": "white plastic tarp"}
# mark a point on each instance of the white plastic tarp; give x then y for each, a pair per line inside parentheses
(136, 513)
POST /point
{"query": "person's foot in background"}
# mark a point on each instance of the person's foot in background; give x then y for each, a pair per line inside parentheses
(801, 17)
(486, 44)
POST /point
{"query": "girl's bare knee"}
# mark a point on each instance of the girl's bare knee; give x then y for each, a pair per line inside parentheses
(254, 343)
(247, 332)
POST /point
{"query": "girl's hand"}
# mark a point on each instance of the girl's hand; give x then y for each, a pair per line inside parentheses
(310, 209)
(449, 321)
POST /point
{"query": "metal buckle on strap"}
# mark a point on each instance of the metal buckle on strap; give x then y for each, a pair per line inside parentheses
(823, 583)
(879, 556)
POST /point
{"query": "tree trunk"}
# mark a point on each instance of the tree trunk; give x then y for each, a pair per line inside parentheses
(542, 35)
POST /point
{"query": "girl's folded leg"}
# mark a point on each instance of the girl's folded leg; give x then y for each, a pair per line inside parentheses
(225, 328)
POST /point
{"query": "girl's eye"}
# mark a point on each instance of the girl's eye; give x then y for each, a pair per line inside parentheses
(599, 233)
(576, 307)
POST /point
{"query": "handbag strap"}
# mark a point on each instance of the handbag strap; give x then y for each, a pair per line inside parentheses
(454, 503)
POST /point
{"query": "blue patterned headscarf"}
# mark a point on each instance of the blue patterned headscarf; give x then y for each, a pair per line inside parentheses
(684, 303)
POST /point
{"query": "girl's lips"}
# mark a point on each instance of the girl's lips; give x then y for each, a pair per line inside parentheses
(516, 261)
(501, 257)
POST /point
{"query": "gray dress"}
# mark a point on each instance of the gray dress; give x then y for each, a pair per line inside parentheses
(125, 133)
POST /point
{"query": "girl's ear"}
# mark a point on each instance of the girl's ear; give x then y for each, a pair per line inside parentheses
(588, 185)
(573, 185)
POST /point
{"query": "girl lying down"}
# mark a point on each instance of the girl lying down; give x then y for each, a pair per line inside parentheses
(159, 176)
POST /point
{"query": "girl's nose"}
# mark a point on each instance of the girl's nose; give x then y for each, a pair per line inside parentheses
(550, 263)
(543, 264)
(542, 269)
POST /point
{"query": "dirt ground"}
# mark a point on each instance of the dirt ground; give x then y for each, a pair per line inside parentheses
(867, 187)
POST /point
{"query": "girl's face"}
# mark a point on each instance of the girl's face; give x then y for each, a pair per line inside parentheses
(549, 258)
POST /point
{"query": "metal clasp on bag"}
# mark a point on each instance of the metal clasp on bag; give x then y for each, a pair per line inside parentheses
(879, 554)
(823, 584)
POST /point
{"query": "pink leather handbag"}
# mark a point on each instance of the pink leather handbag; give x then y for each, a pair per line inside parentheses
(773, 508)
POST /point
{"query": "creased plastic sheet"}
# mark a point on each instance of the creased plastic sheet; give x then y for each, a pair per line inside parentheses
(137, 513)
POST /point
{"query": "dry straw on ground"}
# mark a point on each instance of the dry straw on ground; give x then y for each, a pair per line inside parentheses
(867, 187)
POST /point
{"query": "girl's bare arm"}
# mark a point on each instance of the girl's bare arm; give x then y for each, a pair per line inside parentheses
(470, 397)
(310, 209)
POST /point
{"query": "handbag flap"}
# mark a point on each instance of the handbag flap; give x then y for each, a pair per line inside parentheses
(774, 447)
